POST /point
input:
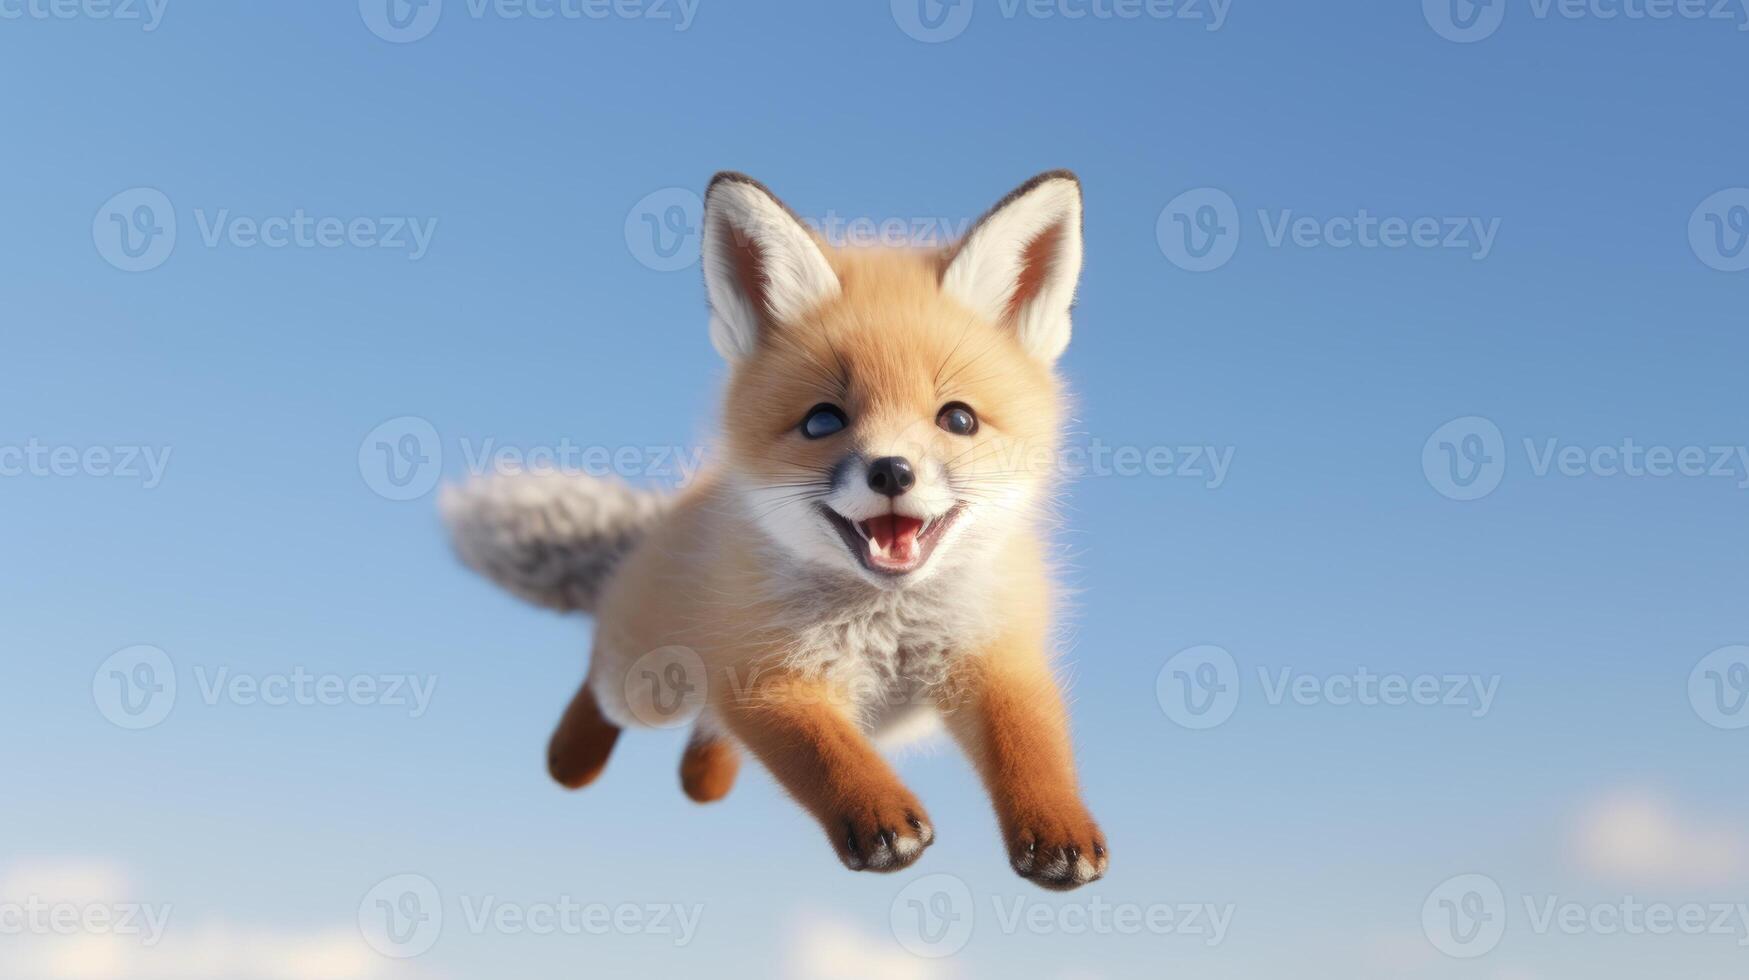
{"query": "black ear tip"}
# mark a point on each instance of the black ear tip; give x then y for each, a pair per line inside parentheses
(722, 177)
(730, 175)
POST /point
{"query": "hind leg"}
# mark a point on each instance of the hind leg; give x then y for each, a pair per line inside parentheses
(579, 749)
(707, 770)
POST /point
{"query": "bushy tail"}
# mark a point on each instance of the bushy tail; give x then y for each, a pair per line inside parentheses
(552, 538)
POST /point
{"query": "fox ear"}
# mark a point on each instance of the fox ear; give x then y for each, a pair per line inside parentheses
(1019, 264)
(761, 264)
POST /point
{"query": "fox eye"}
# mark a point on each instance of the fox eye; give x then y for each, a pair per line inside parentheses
(957, 418)
(824, 420)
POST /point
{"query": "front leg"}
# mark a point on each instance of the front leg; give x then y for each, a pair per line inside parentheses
(799, 729)
(1004, 708)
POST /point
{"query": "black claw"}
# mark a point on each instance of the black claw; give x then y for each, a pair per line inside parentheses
(850, 842)
(1073, 854)
(1098, 849)
(916, 824)
(888, 837)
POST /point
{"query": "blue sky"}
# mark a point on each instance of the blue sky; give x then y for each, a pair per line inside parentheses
(1526, 219)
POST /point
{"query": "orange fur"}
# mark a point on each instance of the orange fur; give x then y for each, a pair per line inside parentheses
(708, 769)
(890, 348)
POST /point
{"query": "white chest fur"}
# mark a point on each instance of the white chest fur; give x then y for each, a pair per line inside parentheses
(885, 651)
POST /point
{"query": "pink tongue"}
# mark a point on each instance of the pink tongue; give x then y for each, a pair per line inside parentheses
(897, 535)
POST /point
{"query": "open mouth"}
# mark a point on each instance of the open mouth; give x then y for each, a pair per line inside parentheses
(892, 544)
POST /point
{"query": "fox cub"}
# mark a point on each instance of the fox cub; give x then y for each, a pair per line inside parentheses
(870, 547)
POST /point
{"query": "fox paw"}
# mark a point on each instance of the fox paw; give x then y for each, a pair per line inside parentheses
(882, 834)
(1058, 850)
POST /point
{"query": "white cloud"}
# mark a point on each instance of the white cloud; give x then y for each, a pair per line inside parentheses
(126, 945)
(824, 949)
(1641, 839)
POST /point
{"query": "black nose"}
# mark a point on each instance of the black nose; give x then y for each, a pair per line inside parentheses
(891, 475)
